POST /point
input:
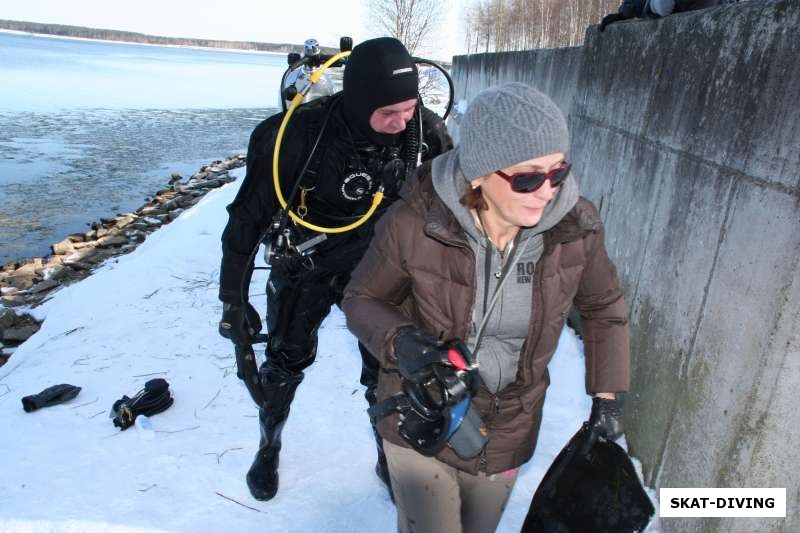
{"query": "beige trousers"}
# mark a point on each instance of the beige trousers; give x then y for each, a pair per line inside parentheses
(433, 497)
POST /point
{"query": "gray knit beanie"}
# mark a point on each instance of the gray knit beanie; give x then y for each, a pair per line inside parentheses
(508, 124)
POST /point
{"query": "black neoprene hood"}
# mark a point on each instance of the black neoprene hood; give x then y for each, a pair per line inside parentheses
(379, 72)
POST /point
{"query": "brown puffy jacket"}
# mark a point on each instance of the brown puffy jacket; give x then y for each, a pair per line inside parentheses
(420, 270)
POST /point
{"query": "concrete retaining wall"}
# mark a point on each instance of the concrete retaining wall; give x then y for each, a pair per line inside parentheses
(686, 130)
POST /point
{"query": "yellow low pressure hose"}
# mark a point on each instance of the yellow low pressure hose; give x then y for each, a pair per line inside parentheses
(296, 101)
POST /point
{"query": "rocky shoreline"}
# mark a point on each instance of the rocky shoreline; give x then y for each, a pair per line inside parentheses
(27, 283)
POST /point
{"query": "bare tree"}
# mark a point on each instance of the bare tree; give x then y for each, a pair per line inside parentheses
(411, 21)
(502, 25)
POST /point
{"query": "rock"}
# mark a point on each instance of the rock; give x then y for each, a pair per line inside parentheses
(8, 290)
(125, 221)
(12, 300)
(135, 235)
(7, 318)
(56, 272)
(5, 353)
(21, 280)
(176, 203)
(101, 255)
(80, 256)
(206, 184)
(154, 210)
(191, 200)
(79, 266)
(53, 260)
(45, 285)
(64, 247)
(29, 266)
(111, 240)
(19, 334)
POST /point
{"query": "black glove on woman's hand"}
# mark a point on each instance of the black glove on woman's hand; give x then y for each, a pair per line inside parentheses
(604, 421)
(239, 323)
(415, 349)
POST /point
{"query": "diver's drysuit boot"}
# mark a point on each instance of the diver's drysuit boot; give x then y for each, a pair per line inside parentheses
(262, 478)
(381, 466)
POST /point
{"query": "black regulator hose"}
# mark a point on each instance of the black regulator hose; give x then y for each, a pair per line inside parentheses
(447, 77)
(281, 88)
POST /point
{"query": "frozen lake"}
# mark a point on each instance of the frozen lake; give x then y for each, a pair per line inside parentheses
(89, 129)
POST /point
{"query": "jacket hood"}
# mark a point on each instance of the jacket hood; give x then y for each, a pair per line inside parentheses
(450, 184)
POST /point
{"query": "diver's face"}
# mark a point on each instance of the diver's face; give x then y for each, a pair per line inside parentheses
(393, 118)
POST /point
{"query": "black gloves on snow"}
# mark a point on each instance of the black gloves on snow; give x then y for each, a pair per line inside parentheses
(239, 323)
(50, 396)
(605, 421)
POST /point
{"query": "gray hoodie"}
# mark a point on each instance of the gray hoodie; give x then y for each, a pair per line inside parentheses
(509, 316)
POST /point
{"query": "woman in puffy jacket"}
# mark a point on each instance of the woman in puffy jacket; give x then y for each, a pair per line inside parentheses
(491, 245)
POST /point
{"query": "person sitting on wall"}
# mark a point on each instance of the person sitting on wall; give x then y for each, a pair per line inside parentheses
(657, 8)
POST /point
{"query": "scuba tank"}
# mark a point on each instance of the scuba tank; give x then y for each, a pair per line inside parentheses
(297, 77)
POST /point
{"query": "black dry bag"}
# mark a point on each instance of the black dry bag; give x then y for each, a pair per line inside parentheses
(594, 493)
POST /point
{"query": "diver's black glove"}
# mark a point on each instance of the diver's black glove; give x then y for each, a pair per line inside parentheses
(50, 396)
(605, 421)
(239, 323)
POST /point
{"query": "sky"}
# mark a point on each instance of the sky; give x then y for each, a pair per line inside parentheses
(245, 20)
(154, 313)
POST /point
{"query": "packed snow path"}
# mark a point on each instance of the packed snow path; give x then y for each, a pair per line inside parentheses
(154, 313)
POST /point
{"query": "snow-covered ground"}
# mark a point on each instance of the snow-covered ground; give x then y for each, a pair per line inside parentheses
(154, 313)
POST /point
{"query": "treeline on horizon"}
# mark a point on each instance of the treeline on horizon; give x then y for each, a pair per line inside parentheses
(133, 37)
(504, 25)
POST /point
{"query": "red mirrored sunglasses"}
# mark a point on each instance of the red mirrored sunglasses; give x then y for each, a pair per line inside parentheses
(531, 181)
